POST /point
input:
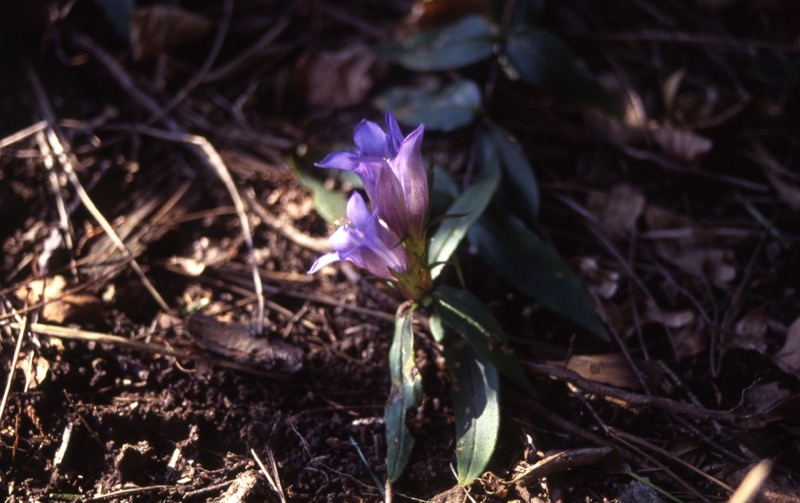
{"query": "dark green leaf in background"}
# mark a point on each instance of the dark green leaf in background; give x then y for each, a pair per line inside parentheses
(519, 191)
(406, 392)
(465, 210)
(118, 13)
(520, 257)
(468, 41)
(544, 61)
(330, 204)
(448, 109)
(472, 320)
(476, 403)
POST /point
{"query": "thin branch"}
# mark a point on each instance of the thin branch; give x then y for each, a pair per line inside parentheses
(566, 375)
(60, 332)
(23, 329)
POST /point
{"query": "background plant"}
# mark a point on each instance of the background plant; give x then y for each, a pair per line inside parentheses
(498, 212)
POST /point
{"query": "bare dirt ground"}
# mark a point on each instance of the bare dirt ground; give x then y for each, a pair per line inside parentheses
(144, 188)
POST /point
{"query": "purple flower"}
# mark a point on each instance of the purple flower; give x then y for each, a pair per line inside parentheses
(391, 169)
(365, 242)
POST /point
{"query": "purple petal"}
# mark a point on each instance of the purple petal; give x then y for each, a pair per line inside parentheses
(395, 135)
(357, 211)
(392, 203)
(327, 259)
(371, 140)
(368, 170)
(410, 171)
(345, 239)
(340, 160)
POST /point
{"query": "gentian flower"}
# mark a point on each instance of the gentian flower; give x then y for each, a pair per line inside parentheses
(389, 240)
(365, 242)
(390, 167)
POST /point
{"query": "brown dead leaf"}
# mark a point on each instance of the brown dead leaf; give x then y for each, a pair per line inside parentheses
(680, 242)
(688, 450)
(35, 368)
(681, 144)
(337, 78)
(688, 341)
(750, 331)
(775, 489)
(760, 398)
(618, 210)
(157, 28)
(426, 14)
(788, 358)
(687, 338)
(61, 307)
(670, 319)
(602, 283)
(610, 369)
(779, 177)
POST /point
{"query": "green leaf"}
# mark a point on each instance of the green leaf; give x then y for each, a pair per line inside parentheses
(469, 317)
(330, 204)
(466, 209)
(454, 46)
(520, 257)
(476, 403)
(543, 60)
(406, 392)
(118, 14)
(448, 109)
(519, 187)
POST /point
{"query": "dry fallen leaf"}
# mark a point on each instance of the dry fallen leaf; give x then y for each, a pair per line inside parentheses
(686, 336)
(610, 369)
(750, 331)
(777, 488)
(679, 241)
(618, 210)
(779, 177)
(157, 28)
(670, 319)
(788, 358)
(760, 398)
(61, 307)
(602, 283)
(688, 450)
(337, 78)
(681, 144)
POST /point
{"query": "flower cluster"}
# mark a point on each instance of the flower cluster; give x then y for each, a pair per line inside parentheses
(388, 240)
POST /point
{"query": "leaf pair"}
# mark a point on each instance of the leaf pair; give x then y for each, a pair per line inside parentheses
(505, 241)
(475, 368)
(527, 53)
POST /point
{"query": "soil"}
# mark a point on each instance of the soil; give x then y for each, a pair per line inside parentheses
(145, 375)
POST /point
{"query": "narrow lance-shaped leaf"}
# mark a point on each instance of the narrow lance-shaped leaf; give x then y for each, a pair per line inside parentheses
(406, 392)
(520, 257)
(518, 189)
(465, 210)
(468, 41)
(476, 403)
(469, 317)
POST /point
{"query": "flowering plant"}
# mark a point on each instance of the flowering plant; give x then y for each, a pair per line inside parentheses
(388, 238)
